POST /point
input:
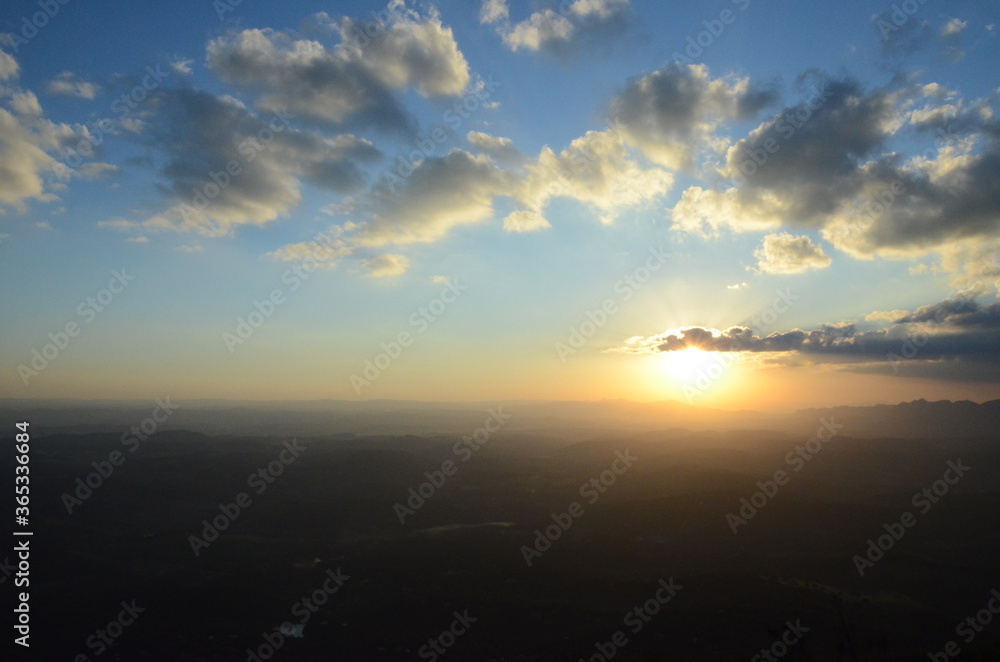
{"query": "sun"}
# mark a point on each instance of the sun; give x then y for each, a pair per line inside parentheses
(696, 366)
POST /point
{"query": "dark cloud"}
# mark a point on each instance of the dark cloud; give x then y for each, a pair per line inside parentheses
(225, 166)
(954, 329)
(672, 113)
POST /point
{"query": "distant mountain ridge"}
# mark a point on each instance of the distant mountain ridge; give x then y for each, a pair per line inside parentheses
(916, 419)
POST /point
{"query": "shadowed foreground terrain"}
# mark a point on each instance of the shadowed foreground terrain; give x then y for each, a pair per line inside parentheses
(458, 560)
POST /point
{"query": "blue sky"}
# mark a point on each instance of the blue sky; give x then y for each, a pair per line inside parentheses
(593, 131)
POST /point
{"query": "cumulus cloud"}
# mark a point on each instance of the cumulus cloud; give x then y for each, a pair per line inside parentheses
(954, 27)
(34, 148)
(9, 68)
(346, 82)
(226, 166)
(493, 11)
(25, 103)
(461, 188)
(596, 170)
(442, 193)
(67, 84)
(501, 150)
(672, 113)
(783, 253)
(560, 31)
(388, 265)
(824, 165)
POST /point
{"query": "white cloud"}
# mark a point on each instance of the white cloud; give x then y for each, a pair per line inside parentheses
(493, 11)
(783, 253)
(345, 82)
(68, 85)
(25, 103)
(181, 67)
(557, 31)
(388, 265)
(953, 27)
(501, 149)
(9, 67)
(525, 221)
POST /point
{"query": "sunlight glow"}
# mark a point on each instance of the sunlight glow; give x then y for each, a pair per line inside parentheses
(696, 367)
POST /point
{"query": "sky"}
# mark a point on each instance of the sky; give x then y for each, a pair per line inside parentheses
(730, 203)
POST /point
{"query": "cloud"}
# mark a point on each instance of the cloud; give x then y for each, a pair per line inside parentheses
(561, 31)
(525, 221)
(9, 68)
(34, 149)
(181, 67)
(25, 103)
(737, 286)
(441, 194)
(226, 166)
(493, 11)
(388, 265)
(67, 84)
(956, 329)
(501, 150)
(825, 165)
(672, 113)
(596, 170)
(461, 188)
(783, 253)
(346, 82)
(325, 249)
(953, 27)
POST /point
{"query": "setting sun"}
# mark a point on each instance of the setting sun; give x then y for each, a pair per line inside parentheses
(688, 366)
